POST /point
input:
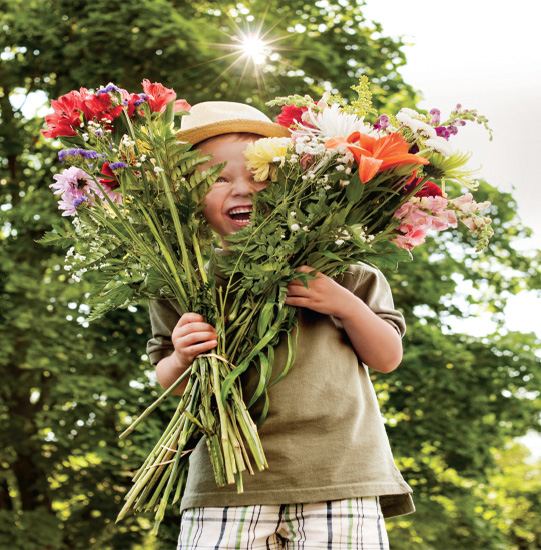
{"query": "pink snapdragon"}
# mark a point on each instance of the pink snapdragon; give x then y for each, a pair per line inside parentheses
(418, 216)
(467, 205)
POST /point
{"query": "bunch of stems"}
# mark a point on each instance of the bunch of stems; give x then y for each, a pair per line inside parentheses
(200, 411)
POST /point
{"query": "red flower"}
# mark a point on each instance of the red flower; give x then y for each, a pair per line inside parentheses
(289, 114)
(66, 116)
(100, 107)
(158, 96)
(429, 189)
(111, 180)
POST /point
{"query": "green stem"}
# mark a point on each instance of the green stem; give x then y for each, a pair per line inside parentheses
(149, 409)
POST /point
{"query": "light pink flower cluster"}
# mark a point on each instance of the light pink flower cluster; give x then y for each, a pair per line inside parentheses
(418, 216)
(466, 205)
(78, 188)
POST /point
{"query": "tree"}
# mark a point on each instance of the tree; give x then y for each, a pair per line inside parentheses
(70, 388)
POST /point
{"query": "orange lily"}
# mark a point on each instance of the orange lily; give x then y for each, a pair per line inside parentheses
(374, 155)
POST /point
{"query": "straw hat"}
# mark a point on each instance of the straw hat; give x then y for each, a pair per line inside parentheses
(214, 118)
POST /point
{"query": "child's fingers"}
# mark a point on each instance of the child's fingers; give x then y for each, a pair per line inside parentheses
(201, 348)
(190, 318)
(195, 337)
(189, 328)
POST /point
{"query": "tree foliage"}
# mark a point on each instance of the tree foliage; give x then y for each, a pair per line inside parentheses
(69, 388)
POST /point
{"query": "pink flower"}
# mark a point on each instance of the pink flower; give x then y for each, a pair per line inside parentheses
(69, 179)
(413, 238)
(182, 105)
(158, 96)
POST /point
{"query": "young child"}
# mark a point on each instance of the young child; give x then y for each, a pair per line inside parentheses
(331, 476)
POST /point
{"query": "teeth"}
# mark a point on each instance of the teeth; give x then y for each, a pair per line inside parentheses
(241, 210)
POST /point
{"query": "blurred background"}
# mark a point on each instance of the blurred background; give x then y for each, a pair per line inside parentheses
(463, 409)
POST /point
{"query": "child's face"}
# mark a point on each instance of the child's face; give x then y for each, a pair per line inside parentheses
(228, 202)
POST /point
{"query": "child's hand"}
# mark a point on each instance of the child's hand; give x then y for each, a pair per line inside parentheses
(323, 295)
(192, 336)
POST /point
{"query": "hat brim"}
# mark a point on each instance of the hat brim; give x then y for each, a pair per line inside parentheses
(201, 133)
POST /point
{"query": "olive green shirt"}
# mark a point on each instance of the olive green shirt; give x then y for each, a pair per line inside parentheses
(324, 437)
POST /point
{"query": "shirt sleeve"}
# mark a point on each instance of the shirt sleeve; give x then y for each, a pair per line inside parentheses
(164, 315)
(370, 285)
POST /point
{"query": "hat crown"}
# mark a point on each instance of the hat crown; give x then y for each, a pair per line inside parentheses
(212, 112)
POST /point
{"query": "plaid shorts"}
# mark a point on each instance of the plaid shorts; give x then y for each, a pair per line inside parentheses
(355, 523)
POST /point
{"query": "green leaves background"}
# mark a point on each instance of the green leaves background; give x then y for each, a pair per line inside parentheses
(450, 409)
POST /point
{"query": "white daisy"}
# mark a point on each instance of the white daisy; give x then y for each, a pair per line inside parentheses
(440, 145)
(332, 122)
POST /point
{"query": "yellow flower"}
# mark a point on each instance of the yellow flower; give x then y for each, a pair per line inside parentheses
(264, 154)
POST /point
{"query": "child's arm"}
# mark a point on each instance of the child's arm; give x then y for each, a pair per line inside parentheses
(375, 341)
(191, 336)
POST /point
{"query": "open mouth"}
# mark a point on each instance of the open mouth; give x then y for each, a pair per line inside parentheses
(240, 215)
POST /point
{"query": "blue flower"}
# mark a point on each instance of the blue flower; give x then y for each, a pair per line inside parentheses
(117, 165)
(75, 152)
(109, 88)
(77, 202)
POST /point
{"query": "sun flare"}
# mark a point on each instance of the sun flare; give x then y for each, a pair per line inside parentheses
(255, 48)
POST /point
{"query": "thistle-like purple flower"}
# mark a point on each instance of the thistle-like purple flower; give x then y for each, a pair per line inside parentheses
(75, 152)
(109, 88)
(117, 165)
(77, 202)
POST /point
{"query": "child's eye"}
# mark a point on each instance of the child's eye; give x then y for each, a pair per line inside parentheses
(221, 178)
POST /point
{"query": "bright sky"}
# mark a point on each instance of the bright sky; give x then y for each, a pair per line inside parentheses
(483, 54)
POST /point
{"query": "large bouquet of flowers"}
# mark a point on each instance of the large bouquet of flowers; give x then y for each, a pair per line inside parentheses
(341, 191)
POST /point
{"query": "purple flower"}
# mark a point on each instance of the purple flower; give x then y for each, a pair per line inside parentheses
(98, 132)
(143, 96)
(109, 88)
(79, 200)
(382, 122)
(453, 130)
(435, 120)
(138, 102)
(74, 152)
(442, 132)
(117, 165)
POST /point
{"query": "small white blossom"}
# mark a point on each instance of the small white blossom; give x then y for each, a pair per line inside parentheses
(343, 183)
(339, 242)
(143, 157)
(306, 228)
(295, 227)
(157, 169)
(293, 213)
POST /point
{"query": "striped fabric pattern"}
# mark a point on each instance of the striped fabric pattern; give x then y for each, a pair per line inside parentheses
(355, 523)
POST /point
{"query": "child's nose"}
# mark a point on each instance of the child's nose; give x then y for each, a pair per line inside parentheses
(246, 186)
